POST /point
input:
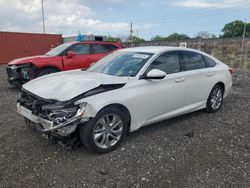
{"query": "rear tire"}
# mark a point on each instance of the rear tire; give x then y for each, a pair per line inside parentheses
(215, 99)
(105, 132)
(46, 71)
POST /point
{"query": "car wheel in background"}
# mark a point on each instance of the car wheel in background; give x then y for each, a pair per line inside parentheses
(105, 132)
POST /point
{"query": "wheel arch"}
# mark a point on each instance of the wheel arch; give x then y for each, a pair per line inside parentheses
(44, 68)
(124, 109)
(221, 84)
(49, 67)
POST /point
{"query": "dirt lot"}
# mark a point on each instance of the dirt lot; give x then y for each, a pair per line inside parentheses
(163, 155)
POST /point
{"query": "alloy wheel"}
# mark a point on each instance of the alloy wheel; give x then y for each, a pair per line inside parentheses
(216, 98)
(108, 130)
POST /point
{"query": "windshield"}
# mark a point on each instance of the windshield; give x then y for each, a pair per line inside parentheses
(57, 50)
(121, 63)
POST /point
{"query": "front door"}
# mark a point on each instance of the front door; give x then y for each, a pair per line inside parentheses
(80, 59)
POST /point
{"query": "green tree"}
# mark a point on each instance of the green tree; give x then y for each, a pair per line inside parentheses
(177, 36)
(158, 38)
(205, 35)
(113, 39)
(235, 29)
(136, 39)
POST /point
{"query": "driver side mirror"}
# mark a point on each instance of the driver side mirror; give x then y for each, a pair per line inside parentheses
(70, 54)
(155, 74)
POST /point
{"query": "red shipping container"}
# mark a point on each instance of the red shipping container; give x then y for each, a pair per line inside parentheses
(15, 45)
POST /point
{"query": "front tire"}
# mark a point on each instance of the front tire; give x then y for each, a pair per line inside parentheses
(105, 132)
(215, 99)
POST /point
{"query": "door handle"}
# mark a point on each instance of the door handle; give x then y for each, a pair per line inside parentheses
(181, 79)
(210, 74)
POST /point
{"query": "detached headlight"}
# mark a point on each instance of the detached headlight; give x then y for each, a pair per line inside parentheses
(60, 116)
(58, 113)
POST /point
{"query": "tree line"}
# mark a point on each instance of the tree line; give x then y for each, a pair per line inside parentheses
(230, 30)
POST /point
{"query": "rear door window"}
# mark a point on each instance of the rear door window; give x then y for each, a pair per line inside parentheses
(110, 47)
(102, 48)
(192, 61)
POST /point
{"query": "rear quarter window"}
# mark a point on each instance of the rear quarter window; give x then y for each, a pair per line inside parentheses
(209, 61)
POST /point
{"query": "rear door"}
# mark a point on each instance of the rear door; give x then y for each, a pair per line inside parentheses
(80, 60)
(199, 78)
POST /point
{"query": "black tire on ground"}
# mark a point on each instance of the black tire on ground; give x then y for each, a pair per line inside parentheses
(46, 71)
(87, 130)
(211, 106)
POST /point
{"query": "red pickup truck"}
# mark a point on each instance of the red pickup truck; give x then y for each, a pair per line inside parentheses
(68, 56)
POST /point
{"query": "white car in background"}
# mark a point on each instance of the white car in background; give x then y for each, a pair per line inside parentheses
(122, 92)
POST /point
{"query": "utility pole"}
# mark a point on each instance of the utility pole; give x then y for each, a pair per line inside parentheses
(131, 32)
(243, 42)
(43, 17)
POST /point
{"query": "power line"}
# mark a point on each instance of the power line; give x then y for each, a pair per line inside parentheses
(168, 16)
(183, 18)
(186, 15)
(187, 19)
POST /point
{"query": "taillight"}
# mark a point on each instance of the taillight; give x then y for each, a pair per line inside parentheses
(231, 70)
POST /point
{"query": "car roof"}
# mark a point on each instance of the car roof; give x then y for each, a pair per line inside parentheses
(157, 49)
(95, 42)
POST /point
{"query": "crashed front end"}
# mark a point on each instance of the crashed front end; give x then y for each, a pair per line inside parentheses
(20, 74)
(57, 120)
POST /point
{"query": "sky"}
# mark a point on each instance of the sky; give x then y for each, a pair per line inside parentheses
(113, 17)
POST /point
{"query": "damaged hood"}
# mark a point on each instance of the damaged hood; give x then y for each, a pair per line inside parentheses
(64, 86)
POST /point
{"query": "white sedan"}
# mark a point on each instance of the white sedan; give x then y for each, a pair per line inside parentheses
(122, 92)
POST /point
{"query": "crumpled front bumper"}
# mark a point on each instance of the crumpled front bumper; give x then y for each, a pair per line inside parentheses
(45, 126)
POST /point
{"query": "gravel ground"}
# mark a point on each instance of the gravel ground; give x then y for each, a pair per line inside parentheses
(194, 150)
